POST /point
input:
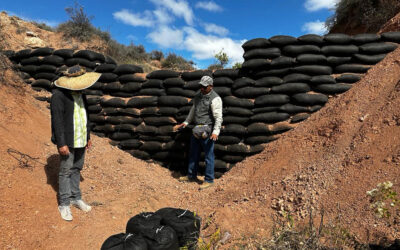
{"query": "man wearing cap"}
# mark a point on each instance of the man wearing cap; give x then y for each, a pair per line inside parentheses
(206, 113)
(70, 132)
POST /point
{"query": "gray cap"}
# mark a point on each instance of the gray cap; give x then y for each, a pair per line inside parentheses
(206, 80)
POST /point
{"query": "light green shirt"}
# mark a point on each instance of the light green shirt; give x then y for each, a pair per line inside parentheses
(80, 121)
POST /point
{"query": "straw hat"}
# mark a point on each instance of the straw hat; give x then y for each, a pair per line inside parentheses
(76, 78)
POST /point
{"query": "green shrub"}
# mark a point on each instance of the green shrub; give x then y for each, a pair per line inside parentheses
(214, 66)
(237, 65)
(176, 62)
(42, 26)
(156, 55)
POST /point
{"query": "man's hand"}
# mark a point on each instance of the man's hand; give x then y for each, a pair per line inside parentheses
(214, 137)
(64, 150)
(179, 126)
(88, 145)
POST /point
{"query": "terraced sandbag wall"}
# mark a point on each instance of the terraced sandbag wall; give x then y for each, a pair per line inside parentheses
(283, 80)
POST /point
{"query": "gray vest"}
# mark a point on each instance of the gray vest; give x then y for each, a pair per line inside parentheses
(202, 108)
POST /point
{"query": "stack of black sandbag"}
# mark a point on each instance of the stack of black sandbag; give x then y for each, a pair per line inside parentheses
(166, 229)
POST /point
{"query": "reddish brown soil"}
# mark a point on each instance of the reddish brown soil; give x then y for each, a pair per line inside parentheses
(329, 161)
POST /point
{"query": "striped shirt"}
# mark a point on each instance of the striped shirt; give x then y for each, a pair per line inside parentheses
(80, 121)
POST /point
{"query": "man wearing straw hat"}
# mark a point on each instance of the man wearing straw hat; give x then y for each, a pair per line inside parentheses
(70, 132)
(206, 113)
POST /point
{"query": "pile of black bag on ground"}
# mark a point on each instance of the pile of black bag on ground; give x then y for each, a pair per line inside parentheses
(166, 229)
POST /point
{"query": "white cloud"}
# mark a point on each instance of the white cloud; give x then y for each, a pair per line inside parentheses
(179, 8)
(167, 37)
(206, 46)
(314, 5)
(145, 19)
(216, 29)
(210, 6)
(162, 16)
(316, 27)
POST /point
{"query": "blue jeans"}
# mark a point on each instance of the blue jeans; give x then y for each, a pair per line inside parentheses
(70, 175)
(196, 145)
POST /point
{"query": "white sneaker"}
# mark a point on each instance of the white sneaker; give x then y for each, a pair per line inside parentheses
(65, 212)
(81, 205)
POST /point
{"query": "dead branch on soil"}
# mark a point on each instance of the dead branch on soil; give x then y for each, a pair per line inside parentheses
(25, 161)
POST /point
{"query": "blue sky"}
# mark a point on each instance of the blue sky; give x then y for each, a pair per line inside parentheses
(194, 29)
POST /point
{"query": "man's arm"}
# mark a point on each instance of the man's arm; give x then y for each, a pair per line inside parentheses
(188, 120)
(216, 108)
(57, 118)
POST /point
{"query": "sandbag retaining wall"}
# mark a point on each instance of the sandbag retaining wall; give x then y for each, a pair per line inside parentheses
(282, 81)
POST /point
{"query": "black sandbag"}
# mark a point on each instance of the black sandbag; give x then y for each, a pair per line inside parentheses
(315, 108)
(295, 50)
(106, 128)
(272, 72)
(159, 138)
(146, 129)
(243, 82)
(351, 68)
(45, 68)
(124, 241)
(222, 81)
(348, 78)
(105, 68)
(130, 144)
(283, 40)
(195, 75)
(311, 39)
(296, 77)
(53, 60)
(31, 69)
(42, 51)
(237, 102)
(313, 70)
(143, 221)
(152, 92)
(142, 101)
(112, 86)
(48, 76)
(123, 69)
(232, 158)
(265, 109)
(340, 50)
(269, 117)
(181, 92)
(268, 81)
(291, 108)
(139, 154)
(97, 118)
(270, 100)
(108, 77)
(173, 82)
(9, 54)
(259, 139)
(153, 83)
(366, 38)
(159, 121)
(123, 120)
(368, 59)
(242, 120)
(113, 102)
(332, 88)
(258, 128)
(310, 99)
(311, 59)
(124, 78)
(89, 55)
(94, 108)
(338, 38)
(234, 129)
(223, 91)
(323, 79)
(34, 60)
(110, 60)
(282, 61)
(192, 85)
(92, 100)
(238, 148)
(92, 92)
(185, 223)
(166, 130)
(131, 87)
(185, 110)
(162, 74)
(42, 83)
(151, 146)
(119, 136)
(290, 88)
(230, 73)
(256, 43)
(25, 53)
(150, 111)
(237, 111)
(24, 75)
(129, 111)
(377, 48)
(266, 53)
(256, 63)
(251, 92)
(393, 36)
(64, 53)
(123, 94)
(338, 60)
(80, 61)
(173, 101)
(228, 139)
(161, 238)
(110, 111)
(299, 117)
